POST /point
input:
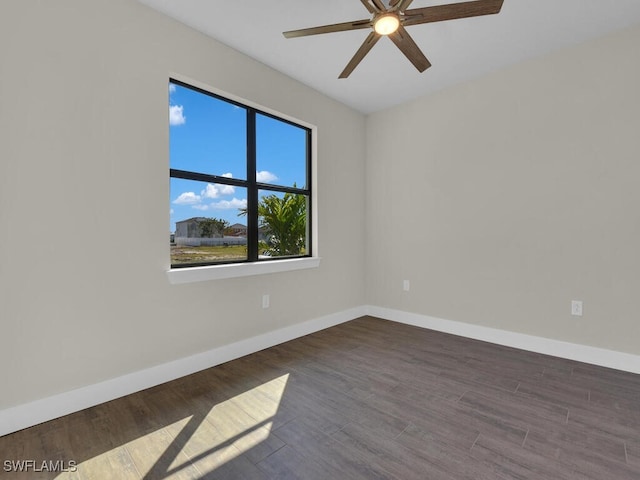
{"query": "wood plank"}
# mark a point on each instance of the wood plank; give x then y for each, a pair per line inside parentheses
(389, 455)
(323, 449)
(156, 455)
(511, 461)
(117, 460)
(517, 409)
(288, 464)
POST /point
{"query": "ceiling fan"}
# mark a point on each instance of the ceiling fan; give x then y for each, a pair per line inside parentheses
(390, 21)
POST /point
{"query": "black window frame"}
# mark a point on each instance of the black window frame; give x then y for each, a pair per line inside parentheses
(253, 187)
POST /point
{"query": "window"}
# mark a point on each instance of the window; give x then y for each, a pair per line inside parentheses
(240, 182)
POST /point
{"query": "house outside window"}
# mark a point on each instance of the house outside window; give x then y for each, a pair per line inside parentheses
(240, 181)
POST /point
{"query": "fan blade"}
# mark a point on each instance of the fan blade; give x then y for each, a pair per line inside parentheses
(379, 5)
(452, 11)
(368, 44)
(405, 43)
(399, 5)
(369, 7)
(336, 27)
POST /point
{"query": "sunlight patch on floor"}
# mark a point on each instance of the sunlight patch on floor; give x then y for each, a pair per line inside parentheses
(197, 444)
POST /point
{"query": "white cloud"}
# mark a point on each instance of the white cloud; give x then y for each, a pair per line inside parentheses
(215, 190)
(171, 211)
(265, 177)
(210, 191)
(176, 115)
(172, 88)
(226, 189)
(229, 204)
(188, 198)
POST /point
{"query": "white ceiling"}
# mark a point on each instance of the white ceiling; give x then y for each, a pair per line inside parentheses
(458, 49)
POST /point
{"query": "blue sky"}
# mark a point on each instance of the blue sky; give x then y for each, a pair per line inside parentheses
(208, 135)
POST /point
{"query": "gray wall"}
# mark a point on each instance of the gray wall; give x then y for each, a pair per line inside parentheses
(515, 194)
(84, 148)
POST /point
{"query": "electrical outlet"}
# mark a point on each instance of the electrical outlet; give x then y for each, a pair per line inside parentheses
(406, 285)
(265, 300)
(576, 308)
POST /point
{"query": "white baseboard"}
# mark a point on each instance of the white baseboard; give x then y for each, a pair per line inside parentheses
(39, 411)
(572, 351)
(45, 409)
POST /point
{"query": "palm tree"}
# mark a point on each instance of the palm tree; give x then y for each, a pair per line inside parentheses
(285, 220)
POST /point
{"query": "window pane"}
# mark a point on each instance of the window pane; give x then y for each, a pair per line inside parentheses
(206, 222)
(281, 152)
(206, 135)
(283, 224)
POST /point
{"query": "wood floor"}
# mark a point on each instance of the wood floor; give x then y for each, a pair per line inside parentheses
(368, 399)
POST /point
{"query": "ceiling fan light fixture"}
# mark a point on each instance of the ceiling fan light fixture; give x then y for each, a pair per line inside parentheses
(386, 24)
(389, 18)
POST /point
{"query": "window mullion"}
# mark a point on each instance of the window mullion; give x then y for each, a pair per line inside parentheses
(252, 191)
(308, 152)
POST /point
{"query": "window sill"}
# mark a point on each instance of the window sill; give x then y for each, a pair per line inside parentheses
(218, 272)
